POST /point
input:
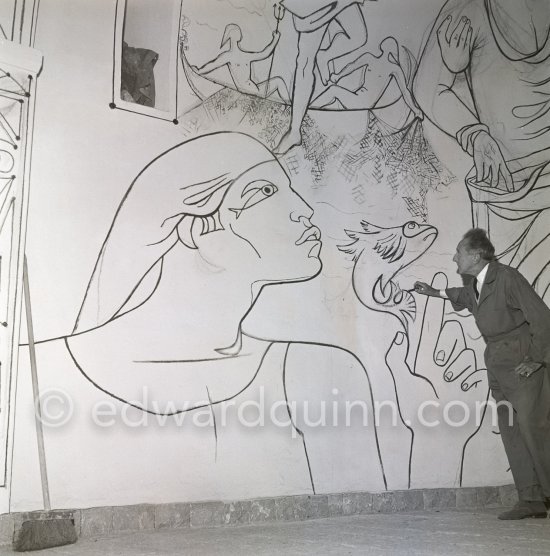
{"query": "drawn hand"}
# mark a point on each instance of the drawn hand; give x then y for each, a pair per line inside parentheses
(489, 162)
(455, 46)
(444, 374)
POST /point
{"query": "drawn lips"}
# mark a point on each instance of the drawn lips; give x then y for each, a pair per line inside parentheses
(310, 234)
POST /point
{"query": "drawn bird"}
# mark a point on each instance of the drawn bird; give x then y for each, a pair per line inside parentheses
(395, 249)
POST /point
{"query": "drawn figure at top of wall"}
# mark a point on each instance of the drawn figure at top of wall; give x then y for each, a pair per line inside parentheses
(202, 230)
(239, 63)
(329, 32)
(377, 72)
(501, 48)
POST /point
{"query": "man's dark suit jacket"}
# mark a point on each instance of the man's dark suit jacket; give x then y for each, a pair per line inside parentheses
(507, 306)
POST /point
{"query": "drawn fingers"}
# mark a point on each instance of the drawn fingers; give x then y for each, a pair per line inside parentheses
(396, 356)
(494, 174)
(450, 342)
(483, 167)
(460, 34)
(432, 321)
(462, 366)
(443, 31)
(507, 177)
(465, 33)
(469, 36)
(476, 385)
(499, 176)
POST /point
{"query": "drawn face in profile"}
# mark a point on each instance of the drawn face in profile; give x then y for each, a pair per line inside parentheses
(223, 197)
(267, 228)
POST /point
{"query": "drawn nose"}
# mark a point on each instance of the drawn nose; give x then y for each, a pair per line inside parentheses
(301, 210)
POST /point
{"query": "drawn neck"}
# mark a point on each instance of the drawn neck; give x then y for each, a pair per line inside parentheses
(194, 310)
(197, 300)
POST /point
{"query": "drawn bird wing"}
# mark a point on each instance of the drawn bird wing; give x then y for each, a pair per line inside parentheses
(356, 247)
(390, 246)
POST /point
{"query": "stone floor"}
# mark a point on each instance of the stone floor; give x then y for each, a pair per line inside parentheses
(413, 533)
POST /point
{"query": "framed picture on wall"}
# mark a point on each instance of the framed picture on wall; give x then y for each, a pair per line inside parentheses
(145, 57)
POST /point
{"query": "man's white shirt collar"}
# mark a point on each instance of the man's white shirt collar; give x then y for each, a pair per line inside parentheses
(481, 277)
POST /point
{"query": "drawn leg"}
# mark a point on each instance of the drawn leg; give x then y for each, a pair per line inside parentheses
(343, 49)
(346, 98)
(399, 77)
(302, 89)
(275, 85)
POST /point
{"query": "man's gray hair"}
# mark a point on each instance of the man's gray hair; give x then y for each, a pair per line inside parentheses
(478, 241)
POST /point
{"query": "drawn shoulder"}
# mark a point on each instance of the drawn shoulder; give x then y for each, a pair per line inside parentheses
(471, 9)
(322, 357)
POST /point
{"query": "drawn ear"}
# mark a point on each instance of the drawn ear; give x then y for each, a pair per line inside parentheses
(185, 231)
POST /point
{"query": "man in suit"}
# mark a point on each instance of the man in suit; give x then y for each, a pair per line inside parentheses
(515, 324)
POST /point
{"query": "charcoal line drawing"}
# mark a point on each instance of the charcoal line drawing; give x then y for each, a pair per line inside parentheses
(326, 38)
(235, 221)
(244, 221)
(239, 63)
(483, 80)
(397, 248)
(377, 73)
(444, 369)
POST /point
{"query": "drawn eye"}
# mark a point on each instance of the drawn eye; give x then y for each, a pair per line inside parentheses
(410, 229)
(255, 193)
(258, 194)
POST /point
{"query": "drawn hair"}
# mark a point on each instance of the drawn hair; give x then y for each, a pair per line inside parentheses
(389, 46)
(478, 241)
(176, 197)
(232, 31)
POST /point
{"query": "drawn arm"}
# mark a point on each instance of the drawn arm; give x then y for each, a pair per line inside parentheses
(433, 90)
(223, 59)
(358, 63)
(399, 77)
(268, 50)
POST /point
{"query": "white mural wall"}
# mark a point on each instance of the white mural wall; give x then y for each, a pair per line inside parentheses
(230, 204)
